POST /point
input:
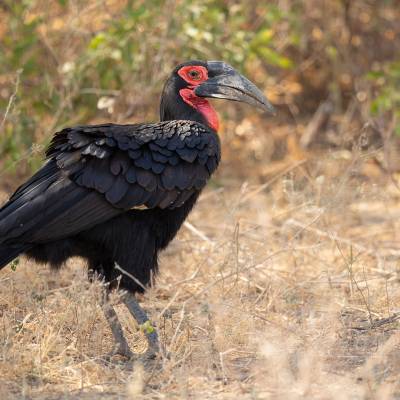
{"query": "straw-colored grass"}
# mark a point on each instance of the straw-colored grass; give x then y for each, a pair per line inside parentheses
(285, 291)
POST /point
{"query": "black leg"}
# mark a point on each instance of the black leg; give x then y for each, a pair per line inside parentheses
(142, 319)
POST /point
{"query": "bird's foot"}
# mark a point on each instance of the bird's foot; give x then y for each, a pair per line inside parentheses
(122, 348)
(122, 354)
(149, 360)
(119, 352)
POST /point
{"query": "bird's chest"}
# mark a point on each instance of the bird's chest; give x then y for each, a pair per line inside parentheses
(163, 224)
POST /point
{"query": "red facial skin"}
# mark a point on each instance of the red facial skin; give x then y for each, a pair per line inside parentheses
(198, 103)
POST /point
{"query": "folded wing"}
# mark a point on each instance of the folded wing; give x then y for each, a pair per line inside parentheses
(94, 173)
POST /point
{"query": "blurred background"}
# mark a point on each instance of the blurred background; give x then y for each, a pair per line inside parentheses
(332, 69)
(292, 256)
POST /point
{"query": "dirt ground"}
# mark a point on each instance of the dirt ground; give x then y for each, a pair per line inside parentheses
(284, 290)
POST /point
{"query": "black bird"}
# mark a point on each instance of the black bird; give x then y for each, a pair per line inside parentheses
(117, 194)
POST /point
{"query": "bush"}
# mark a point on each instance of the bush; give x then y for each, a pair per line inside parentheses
(82, 62)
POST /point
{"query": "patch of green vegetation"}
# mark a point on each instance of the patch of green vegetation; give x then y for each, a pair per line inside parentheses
(14, 264)
(387, 100)
(147, 327)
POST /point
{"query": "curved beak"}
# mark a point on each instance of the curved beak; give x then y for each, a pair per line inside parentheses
(225, 82)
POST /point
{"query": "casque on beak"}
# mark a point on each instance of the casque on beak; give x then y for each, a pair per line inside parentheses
(225, 82)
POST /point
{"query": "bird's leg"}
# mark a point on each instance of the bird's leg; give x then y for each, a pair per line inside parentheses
(122, 346)
(143, 320)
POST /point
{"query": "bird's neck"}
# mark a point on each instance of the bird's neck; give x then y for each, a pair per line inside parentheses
(186, 105)
(201, 106)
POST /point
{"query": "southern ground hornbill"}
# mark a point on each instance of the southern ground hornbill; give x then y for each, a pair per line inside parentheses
(117, 194)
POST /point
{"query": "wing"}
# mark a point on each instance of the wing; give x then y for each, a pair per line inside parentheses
(49, 207)
(96, 172)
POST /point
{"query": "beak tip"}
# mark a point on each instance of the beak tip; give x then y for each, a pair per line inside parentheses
(272, 110)
(268, 108)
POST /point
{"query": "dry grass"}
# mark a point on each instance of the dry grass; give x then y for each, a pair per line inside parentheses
(285, 287)
(288, 290)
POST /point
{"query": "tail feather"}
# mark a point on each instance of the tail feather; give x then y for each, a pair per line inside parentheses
(9, 252)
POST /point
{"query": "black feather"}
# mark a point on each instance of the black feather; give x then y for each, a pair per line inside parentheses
(131, 175)
(168, 178)
(211, 164)
(146, 179)
(117, 190)
(159, 157)
(119, 164)
(134, 154)
(161, 150)
(145, 160)
(168, 198)
(182, 198)
(157, 168)
(173, 160)
(104, 178)
(155, 199)
(135, 196)
(187, 154)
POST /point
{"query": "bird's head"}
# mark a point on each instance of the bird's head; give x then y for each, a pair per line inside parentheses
(191, 83)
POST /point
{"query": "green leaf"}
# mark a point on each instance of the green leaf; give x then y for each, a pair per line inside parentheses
(147, 327)
(97, 41)
(14, 264)
(274, 58)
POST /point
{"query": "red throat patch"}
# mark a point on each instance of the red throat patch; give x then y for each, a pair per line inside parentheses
(202, 106)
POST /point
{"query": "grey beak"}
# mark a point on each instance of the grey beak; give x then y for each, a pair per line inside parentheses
(226, 83)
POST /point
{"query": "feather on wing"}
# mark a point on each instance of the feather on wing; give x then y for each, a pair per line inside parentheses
(94, 173)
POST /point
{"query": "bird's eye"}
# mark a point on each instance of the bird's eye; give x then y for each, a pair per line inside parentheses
(194, 74)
